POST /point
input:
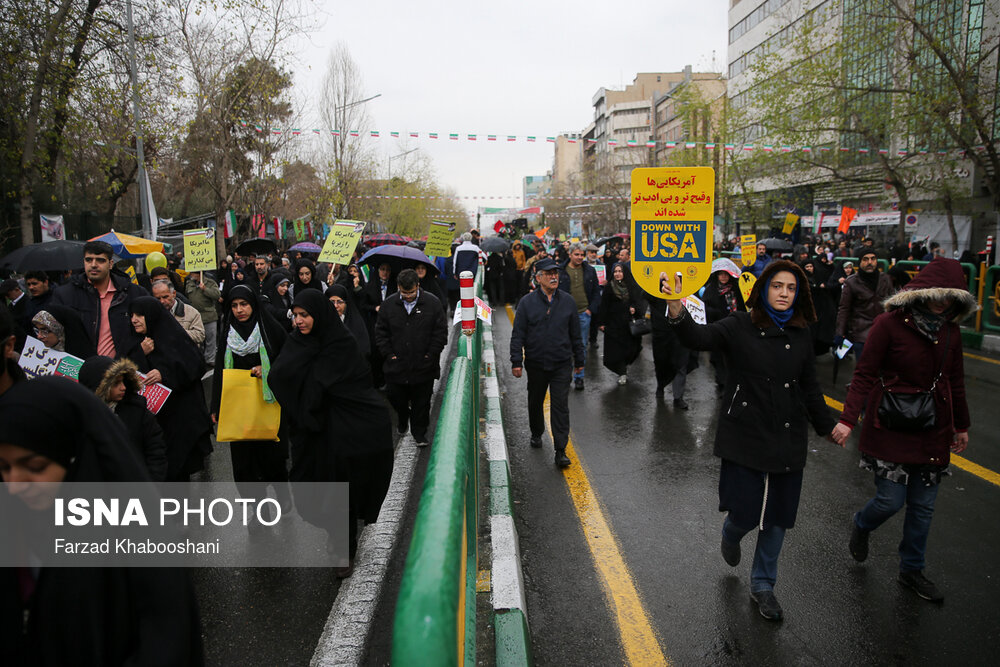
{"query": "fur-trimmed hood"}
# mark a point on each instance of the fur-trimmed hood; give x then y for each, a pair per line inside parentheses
(942, 278)
(100, 374)
(805, 313)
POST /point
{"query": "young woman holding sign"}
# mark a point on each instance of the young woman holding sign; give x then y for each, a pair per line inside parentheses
(771, 393)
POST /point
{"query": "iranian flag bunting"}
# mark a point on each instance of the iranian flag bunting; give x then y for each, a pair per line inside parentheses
(530, 138)
(433, 135)
(511, 137)
(394, 135)
(374, 133)
(453, 136)
(491, 137)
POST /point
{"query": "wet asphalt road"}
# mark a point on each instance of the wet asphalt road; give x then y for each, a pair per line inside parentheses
(652, 468)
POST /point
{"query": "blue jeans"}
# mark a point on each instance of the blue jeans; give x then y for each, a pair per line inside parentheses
(889, 498)
(764, 571)
(585, 335)
(858, 348)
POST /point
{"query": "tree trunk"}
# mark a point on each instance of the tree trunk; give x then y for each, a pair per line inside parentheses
(28, 164)
(949, 210)
(904, 206)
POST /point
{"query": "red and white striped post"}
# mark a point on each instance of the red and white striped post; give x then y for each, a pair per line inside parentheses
(989, 245)
(465, 282)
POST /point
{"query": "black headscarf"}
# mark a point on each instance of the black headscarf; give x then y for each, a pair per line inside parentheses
(314, 282)
(352, 317)
(318, 366)
(244, 329)
(63, 421)
(175, 355)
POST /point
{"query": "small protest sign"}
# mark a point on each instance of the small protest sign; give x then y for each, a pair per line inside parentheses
(342, 241)
(37, 360)
(69, 367)
(672, 211)
(748, 249)
(199, 249)
(844, 348)
(747, 281)
(696, 308)
(483, 311)
(602, 274)
(439, 238)
(155, 394)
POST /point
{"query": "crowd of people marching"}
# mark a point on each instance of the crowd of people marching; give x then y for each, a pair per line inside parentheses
(324, 340)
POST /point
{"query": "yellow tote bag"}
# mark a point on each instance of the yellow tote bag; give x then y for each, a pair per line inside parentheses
(243, 412)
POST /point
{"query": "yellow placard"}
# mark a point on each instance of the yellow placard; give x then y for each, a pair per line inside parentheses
(747, 281)
(791, 221)
(748, 249)
(439, 238)
(673, 209)
(199, 249)
(341, 242)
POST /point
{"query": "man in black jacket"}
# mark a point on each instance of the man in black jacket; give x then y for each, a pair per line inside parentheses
(411, 332)
(546, 341)
(104, 300)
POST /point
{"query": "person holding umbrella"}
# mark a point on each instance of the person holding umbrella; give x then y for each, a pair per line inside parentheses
(411, 332)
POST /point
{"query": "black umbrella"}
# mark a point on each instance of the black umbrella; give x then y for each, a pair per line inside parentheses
(399, 257)
(257, 247)
(775, 244)
(494, 244)
(48, 256)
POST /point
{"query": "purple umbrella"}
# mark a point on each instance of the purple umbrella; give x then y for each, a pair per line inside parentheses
(305, 246)
(397, 256)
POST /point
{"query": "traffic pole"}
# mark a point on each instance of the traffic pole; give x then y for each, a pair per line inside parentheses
(465, 282)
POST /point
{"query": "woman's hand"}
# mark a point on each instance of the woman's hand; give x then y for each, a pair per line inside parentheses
(215, 419)
(357, 282)
(152, 377)
(147, 345)
(257, 371)
(840, 433)
(601, 327)
(961, 442)
(631, 310)
(674, 305)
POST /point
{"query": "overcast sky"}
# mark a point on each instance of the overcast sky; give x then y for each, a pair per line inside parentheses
(504, 68)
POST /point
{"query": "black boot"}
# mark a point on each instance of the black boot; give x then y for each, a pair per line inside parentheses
(561, 459)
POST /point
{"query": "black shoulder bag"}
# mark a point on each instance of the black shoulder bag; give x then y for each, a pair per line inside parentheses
(911, 412)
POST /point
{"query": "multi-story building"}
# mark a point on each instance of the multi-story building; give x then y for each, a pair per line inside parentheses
(689, 112)
(864, 157)
(534, 188)
(567, 163)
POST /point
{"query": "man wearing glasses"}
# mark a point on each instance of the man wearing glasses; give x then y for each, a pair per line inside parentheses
(546, 343)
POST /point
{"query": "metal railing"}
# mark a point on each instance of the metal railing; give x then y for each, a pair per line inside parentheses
(435, 621)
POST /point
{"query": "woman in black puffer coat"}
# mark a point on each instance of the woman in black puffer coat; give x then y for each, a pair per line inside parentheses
(770, 398)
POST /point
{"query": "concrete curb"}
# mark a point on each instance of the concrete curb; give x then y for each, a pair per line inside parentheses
(510, 618)
(345, 635)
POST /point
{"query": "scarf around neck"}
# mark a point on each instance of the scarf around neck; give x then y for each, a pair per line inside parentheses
(236, 344)
(928, 323)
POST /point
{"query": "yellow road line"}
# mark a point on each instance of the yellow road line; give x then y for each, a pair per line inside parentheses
(959, 461)
(636, 631)
(978, 357)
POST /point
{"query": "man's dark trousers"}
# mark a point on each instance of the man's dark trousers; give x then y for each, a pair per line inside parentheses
(557, 383)
(412, 403)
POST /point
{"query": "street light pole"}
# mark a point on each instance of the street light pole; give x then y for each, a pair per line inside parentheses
(148, 230)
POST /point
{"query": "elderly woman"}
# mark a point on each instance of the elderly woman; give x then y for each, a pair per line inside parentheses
(915, 347)
(770, 397)
(60, 328)
(168, 355)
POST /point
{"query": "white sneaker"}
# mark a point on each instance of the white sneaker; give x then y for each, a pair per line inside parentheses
(622, 379)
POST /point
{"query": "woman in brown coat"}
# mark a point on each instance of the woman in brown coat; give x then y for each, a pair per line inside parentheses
(916, 346)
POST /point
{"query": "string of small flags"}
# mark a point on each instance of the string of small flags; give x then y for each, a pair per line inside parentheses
(467, 197)
(613, 143)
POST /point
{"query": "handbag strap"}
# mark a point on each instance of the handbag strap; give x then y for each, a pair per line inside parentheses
(940, 369)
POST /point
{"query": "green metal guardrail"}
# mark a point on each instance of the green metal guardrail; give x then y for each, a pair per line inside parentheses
(883, 264)
(435, 622)
(991, 299)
